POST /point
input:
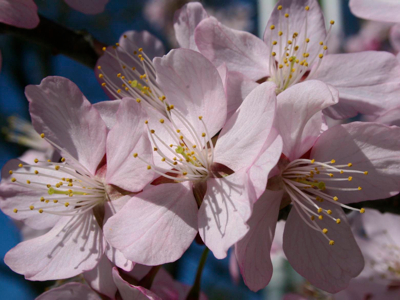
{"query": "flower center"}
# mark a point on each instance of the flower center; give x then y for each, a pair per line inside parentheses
(306, 181)
(290, 60)
(68, 189)
(136, 74)
(189, 157)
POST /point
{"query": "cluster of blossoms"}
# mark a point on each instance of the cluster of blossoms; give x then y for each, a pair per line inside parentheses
(206, 143)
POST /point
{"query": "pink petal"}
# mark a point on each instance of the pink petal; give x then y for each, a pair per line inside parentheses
(89, 7)
(100, 278)
(60, 111)
(153, 229)
(151, 45)
(245, 133)
(186, 20)
(108, 111)
(193, 85)
(378, 10)
(296, 22)
(234, 270)
(237, 88)
(394, 37)
(390, 117)
(241, 51)
(328, 267)
(114, 255)
(68, 291)
(225, 208)
(253, 251)
(129, 136)
(369, 147)
(363, 87)
(20, 197)
(298, 115)
(73, 246)
(381, 228)
(131, 292)
(267, 159)
(19, 13)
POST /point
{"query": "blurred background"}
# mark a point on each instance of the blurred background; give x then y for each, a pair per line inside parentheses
(26, 63)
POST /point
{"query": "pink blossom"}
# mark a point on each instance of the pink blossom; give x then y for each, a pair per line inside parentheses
(75, 197)
(294, 49)
(377, 10)
(89, 7)
(19, 13)
(203, 194)
(318, 174)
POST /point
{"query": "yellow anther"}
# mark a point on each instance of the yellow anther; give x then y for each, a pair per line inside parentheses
(40, 211)
(341, 171)
(57, 168)
(307, 8)
(320, 210)
(325, 48)
(100, 75)
(184, 173)
(313, 161)
(119, 91)
(103, 84)
(280, 7)
(280, 66)
(331, 242)
(321, 43)
(31, 207)
(133, 68)
(286, 15)
(155, 149)
(320, 217)
(140, 49)
(338, 221)
(13, 179)
(312, 218)
(203, 134)
(307, 40)
(178, 131)
(362, 210)
(55, 201)
(366, 173)
(272, 27)
(28, 182)
(280, 33)
(350, 178)
(15, 210)
(36, 160)
(10, 172)
(148, 167)
(104, 48)
(274, 43)
(325, 231)
(333, 161)
(161, 121)
(332, 22)
(135, 155)
(171, 106)
(41, 199)
(70, 184)
(66, 204)
(146, 122)
(47, 201)
(20, 165)
(152, 131)
(329, 212)
(200, 118)
(62, 159)
(359, 188)
(163, 159)
(126, 89)
(330, 175)
(289, 42)
(320, 55)
(349, 164)
(99, 67)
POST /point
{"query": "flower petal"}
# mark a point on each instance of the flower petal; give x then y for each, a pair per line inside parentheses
(68, 291)
(385, 11)
(394, 36)
(267, 159)
(60, 111)
(245, 133)
(241, 51)
(193, 85)
(128, 136)
(100, 278)
(298, 115)
(19, 13)
(129, 291)
(151, 45)
(186, 20)
(108, 111)
(363, 87)
(296, 22)
(253, 251)
(328, 267)
(222, 215)
(153, 229)
(390, 117)
(89, 7)
(369, 147)
(73, 246)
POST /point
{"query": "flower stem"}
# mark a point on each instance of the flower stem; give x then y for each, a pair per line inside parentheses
(194, 293)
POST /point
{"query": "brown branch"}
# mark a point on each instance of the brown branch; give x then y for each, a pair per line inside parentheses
(78, 45)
